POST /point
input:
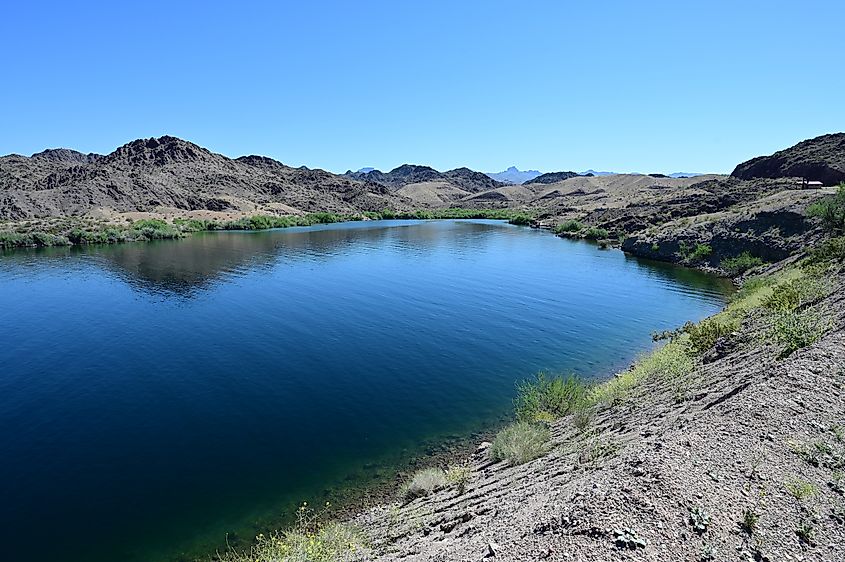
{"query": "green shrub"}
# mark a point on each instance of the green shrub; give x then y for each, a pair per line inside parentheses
(308, 541)
(36, 238)
(520, 442)
(831, 210)
(424, 482)
(801, 489)
(568, 226)
(795, 330)
(792, 294)
(701, 252)
(740, 264)
(703, 336)
(594, 233)
(152, 229)
(459, 476)
(751, 287)
(544, 398)
(694, 254)
(521, 220)
(784, 298)
(829, 250)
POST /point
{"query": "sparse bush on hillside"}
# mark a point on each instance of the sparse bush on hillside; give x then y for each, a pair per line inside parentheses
(459, 476)
(831, 210)
(309, 541)
(545, 398)
(703, 336)
(698, 253)
(520, 442)
(793, 294)
(740, 264)
(830, 250)
(424, 482)
(672, 363)
(795, 330)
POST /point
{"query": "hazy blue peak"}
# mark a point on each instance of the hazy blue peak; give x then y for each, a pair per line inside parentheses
(514, 175)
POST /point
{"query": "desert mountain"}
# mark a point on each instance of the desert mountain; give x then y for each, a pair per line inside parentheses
(553, 177)
(818, 159)
(168, 174)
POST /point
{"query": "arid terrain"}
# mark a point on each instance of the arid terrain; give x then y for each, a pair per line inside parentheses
(734, 450)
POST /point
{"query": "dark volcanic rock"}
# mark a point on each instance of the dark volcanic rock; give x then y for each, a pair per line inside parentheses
(167, 172)
(159, 151)
(66, 155)
(471, 181)
(462, 178)
(819, 159)
(552, 177)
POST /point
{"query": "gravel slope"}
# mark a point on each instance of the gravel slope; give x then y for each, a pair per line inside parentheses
(725, 446)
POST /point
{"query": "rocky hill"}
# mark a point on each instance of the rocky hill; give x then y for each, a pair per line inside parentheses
(552, 177)
(168, 175)
(426, 187)
(818, 159)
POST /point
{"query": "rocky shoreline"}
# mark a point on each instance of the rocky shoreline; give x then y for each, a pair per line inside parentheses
(742, 460)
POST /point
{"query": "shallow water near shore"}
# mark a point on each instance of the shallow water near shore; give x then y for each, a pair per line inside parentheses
(156, 396)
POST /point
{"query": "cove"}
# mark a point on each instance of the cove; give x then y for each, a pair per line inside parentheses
(156, 396)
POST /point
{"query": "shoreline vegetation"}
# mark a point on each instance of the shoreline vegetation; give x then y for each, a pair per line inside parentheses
(779, 307)
(779, 300)
(78, 231)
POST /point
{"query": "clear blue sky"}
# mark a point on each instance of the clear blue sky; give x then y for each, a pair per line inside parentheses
(625, 86)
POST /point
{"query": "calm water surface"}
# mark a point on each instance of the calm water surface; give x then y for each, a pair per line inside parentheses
(154, 397)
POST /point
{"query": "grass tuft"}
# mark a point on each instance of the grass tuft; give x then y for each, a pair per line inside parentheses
(424, 482)
(520, 442)
(740, 264)
(308, 541)
(670, 362)
(546, 399)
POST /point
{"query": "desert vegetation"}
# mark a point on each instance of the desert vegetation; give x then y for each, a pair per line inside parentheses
(520, 442)
(740, 264)
(70, 231)
(831, 211)
(310, 540)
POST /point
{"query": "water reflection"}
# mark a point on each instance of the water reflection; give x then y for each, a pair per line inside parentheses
(166, 394)
(189, 266)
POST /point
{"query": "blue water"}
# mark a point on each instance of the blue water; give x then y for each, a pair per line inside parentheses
(154, 397)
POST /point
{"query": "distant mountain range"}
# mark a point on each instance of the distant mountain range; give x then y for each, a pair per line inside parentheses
(171, 176)
(514, 175)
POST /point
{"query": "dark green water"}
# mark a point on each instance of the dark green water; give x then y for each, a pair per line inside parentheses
(154, 397)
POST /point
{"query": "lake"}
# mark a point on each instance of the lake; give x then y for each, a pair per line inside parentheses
(156, 396)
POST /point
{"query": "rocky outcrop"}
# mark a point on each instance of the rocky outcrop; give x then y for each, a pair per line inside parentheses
(819, 159)
(464, 179)
(164, 174)
(552, 177)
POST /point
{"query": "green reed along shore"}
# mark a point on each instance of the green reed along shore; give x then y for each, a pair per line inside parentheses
(77, 231)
